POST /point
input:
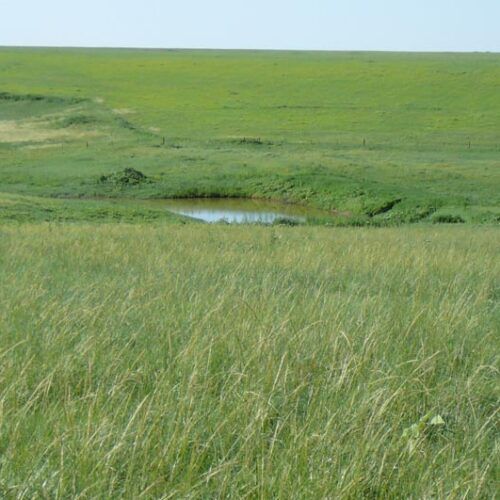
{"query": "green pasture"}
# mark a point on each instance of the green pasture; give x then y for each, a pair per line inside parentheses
(349, 132)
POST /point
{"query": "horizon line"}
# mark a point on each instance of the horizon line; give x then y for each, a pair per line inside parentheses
(239, 49)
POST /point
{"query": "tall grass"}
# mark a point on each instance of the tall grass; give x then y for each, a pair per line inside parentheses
(197, 362)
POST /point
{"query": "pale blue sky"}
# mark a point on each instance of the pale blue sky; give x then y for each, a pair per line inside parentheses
(423, 25)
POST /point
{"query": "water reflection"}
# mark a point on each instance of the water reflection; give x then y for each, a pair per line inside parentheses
(237, 211)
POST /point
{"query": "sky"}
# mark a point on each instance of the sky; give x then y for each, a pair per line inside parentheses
(396, 25)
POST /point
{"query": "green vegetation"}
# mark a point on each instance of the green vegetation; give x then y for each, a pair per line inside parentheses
(196, 361)
(15, 208)
(388, 138)
(145, 355)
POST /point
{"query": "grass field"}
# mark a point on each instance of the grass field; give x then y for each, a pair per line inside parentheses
(147, 355)
(226, 362)
(389, 138)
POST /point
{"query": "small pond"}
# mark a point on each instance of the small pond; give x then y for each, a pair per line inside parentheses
(238, 210)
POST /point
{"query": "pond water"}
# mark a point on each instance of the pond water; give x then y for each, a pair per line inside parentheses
(237, 210)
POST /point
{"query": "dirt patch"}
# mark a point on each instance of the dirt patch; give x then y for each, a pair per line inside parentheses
(43, 146)
(123, 111)
(28, 131)
(12, 131)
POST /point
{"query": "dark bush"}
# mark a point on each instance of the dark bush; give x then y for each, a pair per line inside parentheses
(7, 96)
(383, 208)
(286, 221)
(447, 219)
(129, 176)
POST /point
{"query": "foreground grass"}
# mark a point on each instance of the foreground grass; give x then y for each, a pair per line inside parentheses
(190, 361)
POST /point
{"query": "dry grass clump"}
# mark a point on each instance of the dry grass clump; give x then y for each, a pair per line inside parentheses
(39, 131)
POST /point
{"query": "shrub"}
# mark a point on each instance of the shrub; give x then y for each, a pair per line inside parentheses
(447, 219)
(127, 176)
(286, 221)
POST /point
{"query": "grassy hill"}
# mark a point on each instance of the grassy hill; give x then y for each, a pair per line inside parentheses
(354, 132)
